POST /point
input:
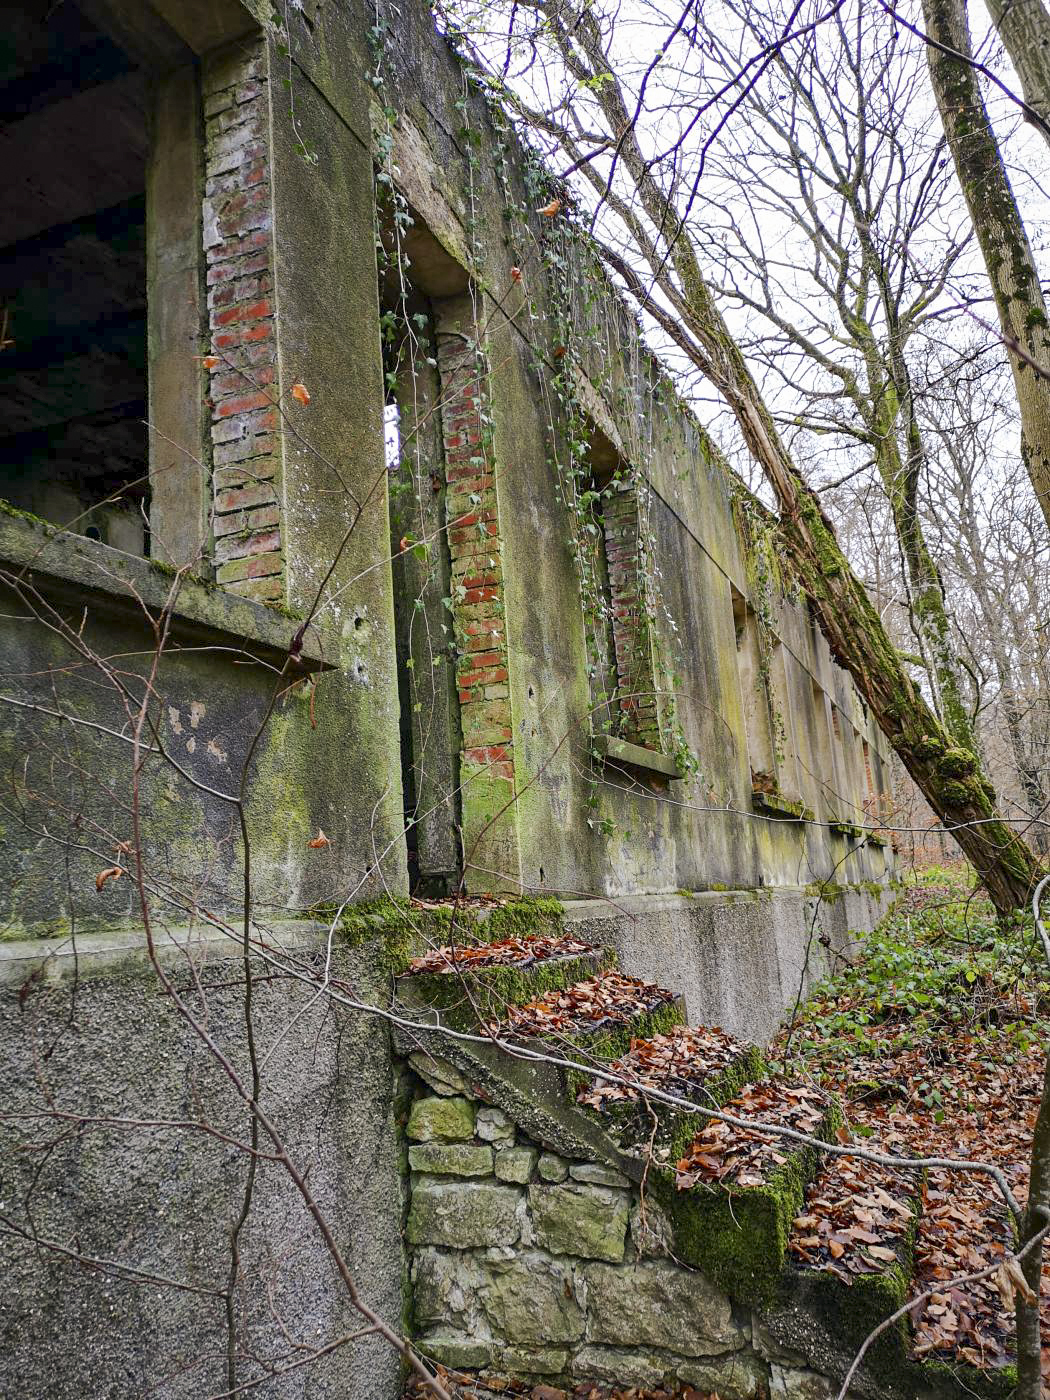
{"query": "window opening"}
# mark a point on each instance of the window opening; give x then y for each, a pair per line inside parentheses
(73, 382)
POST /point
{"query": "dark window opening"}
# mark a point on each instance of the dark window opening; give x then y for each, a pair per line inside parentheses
(73, 381)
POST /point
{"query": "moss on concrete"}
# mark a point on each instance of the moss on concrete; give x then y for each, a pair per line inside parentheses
(738, 1236)
(471, 996)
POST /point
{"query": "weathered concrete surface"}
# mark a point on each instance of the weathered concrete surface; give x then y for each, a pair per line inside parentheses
(739, 957)
(103, 1043)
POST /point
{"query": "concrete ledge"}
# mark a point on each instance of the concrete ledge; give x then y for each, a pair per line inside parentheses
(740, 957)
(51, 960)
(773, 804)
(635, 756)
(67, 566)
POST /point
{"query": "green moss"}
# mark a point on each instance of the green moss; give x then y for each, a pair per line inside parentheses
(826, 891)
(929, 746)
(955, 793)
(956, 763)
(394, 928)
(739, 1237)
(950, 1380)
(468, 997)
(523, 917)
(6, 508)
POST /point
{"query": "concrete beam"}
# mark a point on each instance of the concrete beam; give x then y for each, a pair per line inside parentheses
(166, 33)
(179, 441)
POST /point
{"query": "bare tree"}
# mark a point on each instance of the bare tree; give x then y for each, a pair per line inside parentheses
(1000, 230)
(847, 242)
(615, 146)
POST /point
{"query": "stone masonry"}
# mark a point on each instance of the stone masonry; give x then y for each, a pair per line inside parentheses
(243, 350)
(527, 1264)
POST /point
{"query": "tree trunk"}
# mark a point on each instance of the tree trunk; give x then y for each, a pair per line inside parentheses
(1000, 231)
(945, 773)
(929, 616)
(1024, 27)
(1029, 1331)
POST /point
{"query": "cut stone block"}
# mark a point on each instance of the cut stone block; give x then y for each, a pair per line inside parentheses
(515, 1164)
(659, 1305)
(451, 1159)
(534, 1361)
(459, 1216)
(594, 1174)
(589, 1221)
(552, 1167)
(452, 1350)
(531, 1298)
(493, 1125)
(441, 1120)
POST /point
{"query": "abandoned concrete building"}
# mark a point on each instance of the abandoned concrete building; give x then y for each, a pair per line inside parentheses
(366, 585)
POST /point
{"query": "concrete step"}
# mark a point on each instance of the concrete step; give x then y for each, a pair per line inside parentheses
(469, 992)
(702, 1064)
(733, 1193)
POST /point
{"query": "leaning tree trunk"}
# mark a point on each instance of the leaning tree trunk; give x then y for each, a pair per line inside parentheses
(1024, 27)
(945, 773)
(1000, 231)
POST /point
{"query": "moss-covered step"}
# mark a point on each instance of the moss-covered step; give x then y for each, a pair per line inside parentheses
(851, 1256)
(733, 1194)
(510, 1062)
(702, 1064)
(472, 997)
(401, 929)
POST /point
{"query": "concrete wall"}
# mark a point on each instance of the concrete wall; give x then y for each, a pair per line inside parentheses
(739, 959)
(91, 1045)
(296, 526)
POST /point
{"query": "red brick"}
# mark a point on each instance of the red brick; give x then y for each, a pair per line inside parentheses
(245, 497)
(228, 408)
(250, 311)
(254, 566)
(240, 546)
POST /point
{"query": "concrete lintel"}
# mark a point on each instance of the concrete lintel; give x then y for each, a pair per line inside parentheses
(164, 33)
(636, 756)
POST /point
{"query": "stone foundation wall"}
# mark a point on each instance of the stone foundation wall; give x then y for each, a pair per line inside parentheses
(526, 1264)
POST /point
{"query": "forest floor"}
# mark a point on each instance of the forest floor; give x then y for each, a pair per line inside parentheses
(933, 1039)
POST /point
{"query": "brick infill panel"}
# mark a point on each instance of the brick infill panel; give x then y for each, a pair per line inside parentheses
(632, 643)
(238, 223)
(472, 521)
